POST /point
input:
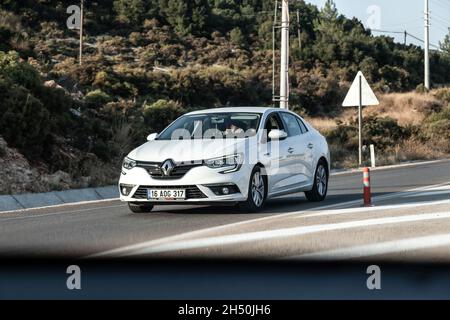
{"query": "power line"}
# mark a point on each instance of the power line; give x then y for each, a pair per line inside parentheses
(442, 4)
(442, 27)
(439, 18)
(404, 32)
(387, 31)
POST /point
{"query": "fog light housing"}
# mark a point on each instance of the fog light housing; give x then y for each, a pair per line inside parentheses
(224, 189)
(125, 189)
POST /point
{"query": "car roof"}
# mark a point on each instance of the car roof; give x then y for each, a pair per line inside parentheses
(261, 110)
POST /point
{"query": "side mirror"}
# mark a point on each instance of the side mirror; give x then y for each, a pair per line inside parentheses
(277, 135)
(152, 137)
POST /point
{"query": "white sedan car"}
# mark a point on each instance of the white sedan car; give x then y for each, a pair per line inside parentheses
(227, 156)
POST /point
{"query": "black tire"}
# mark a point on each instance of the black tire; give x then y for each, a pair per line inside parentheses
(320, 186)
(257, 192)
(140, 208)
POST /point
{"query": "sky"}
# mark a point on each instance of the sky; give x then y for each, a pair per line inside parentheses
(398, 15)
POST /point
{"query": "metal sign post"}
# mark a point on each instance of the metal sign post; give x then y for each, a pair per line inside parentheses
(360, 121)
(359, 95)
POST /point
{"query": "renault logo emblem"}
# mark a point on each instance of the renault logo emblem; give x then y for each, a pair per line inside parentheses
(167, 167)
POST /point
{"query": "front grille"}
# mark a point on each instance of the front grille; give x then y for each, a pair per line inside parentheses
(154, 170)
(192, 192)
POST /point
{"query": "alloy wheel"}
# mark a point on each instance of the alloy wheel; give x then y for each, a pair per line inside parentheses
(258, 189)
(321, 180)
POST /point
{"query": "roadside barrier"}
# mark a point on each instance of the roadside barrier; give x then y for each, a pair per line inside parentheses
(367, 192)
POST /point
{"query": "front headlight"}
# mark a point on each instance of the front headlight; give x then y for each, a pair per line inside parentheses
(230, 163)
(128, 163)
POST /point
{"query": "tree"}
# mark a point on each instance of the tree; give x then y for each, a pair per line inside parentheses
(237, 37)
(129, 11)
(328, 18)
(445, 46)
(186, 17)
(329, 26)
(330, 34)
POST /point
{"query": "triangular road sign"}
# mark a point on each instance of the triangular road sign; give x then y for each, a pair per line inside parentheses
(368, 98)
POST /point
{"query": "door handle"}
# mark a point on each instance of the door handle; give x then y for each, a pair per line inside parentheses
(310, 146)
(291, 150)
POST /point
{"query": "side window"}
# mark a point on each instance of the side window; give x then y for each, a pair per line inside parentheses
(273, 123)
(302, 126)
(291, 124)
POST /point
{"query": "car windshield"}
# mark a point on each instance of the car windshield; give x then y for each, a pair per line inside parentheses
(213, 126)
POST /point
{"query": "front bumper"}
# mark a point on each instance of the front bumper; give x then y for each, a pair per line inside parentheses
(199, 183)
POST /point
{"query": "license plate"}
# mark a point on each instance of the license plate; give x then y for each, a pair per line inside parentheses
(169, 194)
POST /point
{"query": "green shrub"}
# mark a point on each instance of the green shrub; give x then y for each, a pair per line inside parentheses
(344, 135)
(25, 121)
(237, 37)
(213, 86)
(382, 132)
(396, 78)
(440, 129)
(55, 100)
(19, 72)
(160, 114)
(5, 38)
(438, 125)
(443, 95)
(443, 115)
(421, 89)
(97, 98)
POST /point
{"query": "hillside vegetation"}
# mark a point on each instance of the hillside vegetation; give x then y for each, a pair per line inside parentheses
(147, 62)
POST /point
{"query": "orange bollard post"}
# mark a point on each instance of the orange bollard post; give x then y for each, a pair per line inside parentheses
(367, 193)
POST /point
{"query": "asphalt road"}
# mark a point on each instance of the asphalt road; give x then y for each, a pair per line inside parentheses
(409, 222)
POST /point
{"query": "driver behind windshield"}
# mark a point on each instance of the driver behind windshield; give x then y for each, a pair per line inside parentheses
(232, 128)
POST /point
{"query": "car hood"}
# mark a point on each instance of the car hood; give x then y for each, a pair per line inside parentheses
(187, 150)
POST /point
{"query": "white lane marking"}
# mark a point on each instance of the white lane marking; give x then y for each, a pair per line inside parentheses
(141, 245)
(59, 206)
(282, 233)
(428, 194)
(57, 213)
(413, 192)
(377, 249)
(395, 166)
(364, 210)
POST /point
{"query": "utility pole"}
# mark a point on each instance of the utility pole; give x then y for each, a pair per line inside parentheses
(284, 71)
(274, 28)
(427, 46)
(406, 37)
(81, 31)
(299, 34)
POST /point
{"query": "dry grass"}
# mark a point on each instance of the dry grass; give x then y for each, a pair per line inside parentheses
(409, 150)
(416, 150)
(408, 109)
(322, 124)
